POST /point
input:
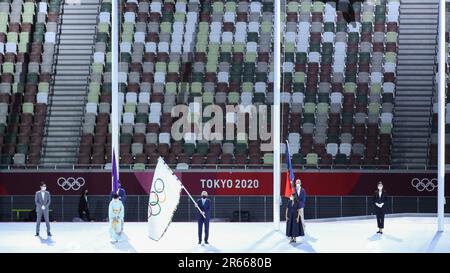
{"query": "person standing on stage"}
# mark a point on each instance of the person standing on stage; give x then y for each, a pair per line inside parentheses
(203, 217)
(294, 227)
(116, 215)
(379, 201)
(301, 197)
(42, 200)
(122, 194)
(83, 206)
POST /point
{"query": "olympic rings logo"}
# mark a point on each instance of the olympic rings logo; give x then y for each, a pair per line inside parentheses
(157, 197)
(424, 184)
(71, 183)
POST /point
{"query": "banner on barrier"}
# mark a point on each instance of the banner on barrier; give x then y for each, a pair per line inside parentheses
(224, 183)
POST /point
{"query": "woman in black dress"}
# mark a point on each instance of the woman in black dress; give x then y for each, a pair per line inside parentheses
(379, 200)
(83, 208)
(294, 227)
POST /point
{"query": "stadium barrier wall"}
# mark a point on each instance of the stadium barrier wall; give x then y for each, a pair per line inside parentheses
(64, 208)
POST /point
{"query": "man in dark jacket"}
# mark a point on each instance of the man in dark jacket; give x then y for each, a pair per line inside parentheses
(83, 206)
(379, 201)
(203, 218)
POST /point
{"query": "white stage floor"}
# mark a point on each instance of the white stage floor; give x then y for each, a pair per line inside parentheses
(402, 234)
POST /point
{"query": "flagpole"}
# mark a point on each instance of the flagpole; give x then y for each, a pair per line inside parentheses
(441, 118)
(115, 88)
(276, 117)
(182, 186)
(190, 196)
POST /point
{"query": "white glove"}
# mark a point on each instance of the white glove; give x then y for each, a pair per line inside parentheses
(43, 207)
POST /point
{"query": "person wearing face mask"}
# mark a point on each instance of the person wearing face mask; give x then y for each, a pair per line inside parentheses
(203, 217)
(301, 197)
(83, 207)
(294, 226)
(379, 200)
(116, 214)
(42, 201)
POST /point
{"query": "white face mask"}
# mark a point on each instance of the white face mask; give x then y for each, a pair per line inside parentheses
(43, 188)
(298, 186)
(292, 198)
(380, 187)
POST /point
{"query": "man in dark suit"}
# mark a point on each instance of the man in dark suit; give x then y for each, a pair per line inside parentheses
(379, 200)
(42, 201)
(301, 197)
(203, 218)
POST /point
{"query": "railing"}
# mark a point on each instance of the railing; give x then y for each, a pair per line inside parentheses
(52, 83)
(88, 80)
(221, 167)
(224, 208)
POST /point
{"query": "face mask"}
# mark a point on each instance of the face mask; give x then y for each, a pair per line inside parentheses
(298, 186)
(204, 197)
(43, 188)
(380, 187)
(292, 198)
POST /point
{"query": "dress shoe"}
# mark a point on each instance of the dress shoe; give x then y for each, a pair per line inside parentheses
(49, 234)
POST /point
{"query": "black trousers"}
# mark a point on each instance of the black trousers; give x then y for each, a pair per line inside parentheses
(380, 217)
(202, 221)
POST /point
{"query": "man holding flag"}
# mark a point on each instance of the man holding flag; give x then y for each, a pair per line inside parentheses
(203, 216)
(301, 196)
(164, 197)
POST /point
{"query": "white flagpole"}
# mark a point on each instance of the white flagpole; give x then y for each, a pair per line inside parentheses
(276, 116)
(441, 117)
(115, 116)
(195, 203)
(182, 186)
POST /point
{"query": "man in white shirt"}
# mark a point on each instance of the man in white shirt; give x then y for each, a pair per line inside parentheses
(42, 201)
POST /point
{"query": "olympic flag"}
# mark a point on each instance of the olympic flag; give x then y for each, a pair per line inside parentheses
(163, 201)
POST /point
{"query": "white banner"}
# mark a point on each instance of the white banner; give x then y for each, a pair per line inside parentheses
(163, 201)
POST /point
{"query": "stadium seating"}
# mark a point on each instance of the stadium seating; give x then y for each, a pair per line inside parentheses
(172, 52)
(95, 144)
(338, 82)
(27, 31)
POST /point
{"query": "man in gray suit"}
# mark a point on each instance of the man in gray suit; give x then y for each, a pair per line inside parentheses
(42, 201)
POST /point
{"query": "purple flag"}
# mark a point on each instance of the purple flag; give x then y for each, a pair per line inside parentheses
(114, 173)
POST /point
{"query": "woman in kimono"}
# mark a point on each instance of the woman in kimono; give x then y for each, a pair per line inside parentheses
(294, 227)
(115, 215)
